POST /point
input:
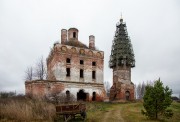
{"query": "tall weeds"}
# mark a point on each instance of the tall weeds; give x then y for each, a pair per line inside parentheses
(26, 110)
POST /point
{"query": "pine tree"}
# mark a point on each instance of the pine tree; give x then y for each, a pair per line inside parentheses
(156, 101)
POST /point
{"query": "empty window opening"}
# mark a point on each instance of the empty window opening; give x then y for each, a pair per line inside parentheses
(68, 60)
(94, 96)
(93, 74)
(81, 95)
(81, 62)
(81, 73)
(93, 63)
(68, 72)
(74, 34)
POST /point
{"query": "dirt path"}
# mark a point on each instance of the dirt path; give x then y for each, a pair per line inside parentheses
(113, 115)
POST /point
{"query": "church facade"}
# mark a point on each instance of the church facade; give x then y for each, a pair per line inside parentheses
(72, 67)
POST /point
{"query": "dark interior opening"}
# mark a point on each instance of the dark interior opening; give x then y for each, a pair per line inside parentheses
(68, 60)
(67, 96)
(81, 62)
(67, 92)
(93, 63)
(68, 72)
(94, 96)
(127, 95)
(74, 34)
(81, 95)
(81, 73)
(93, 74)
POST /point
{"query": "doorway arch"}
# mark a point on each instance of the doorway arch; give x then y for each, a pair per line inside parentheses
(127, 94)
(81, 95)
(94, 96)
(68, 96)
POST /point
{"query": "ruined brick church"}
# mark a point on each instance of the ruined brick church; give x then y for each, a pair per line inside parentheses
(72, 68)
(121, 61)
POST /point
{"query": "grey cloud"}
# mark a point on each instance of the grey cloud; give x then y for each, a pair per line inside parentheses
(29, 29)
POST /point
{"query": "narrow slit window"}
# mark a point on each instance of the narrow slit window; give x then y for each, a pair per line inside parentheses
(81, 62)
(81, 73)
(93, 74)
(68, 72)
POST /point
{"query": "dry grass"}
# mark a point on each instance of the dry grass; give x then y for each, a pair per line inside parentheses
(26, 110)
(125, 112)
(12, 110)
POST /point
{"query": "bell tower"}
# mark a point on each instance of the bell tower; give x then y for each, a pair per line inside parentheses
(121, 61)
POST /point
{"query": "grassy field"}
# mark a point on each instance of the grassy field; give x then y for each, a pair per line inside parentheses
(39, 111)
(125, 112)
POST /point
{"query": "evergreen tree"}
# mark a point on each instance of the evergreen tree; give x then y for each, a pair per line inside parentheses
(156, 100)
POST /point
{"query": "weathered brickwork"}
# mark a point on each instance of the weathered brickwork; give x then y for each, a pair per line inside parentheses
(73, 67)
(123, 88)
(41, 88)
(57, 64)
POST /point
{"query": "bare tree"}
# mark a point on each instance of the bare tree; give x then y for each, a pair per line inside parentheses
(29, 74)
(107, 87)
(40, 69)
(138, 90)
(143, 89)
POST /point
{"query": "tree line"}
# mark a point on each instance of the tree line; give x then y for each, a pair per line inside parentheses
(141, 88)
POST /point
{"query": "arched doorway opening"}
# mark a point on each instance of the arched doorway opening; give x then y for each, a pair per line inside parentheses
(127, 95)
(67, 96)
(81, 95)
(67, 92)
(94, 96)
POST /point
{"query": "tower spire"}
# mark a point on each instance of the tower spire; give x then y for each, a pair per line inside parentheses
(121, 19)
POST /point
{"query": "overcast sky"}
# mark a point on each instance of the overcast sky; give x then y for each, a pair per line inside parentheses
(29, 28)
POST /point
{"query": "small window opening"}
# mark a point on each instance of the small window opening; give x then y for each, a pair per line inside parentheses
(81, 73)
(81, 62)
(93, 74)
(68, 72)
(93, 63)
(68, 60)
(74, 34)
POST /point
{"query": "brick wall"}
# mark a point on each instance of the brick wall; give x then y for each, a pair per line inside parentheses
(57, 64)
